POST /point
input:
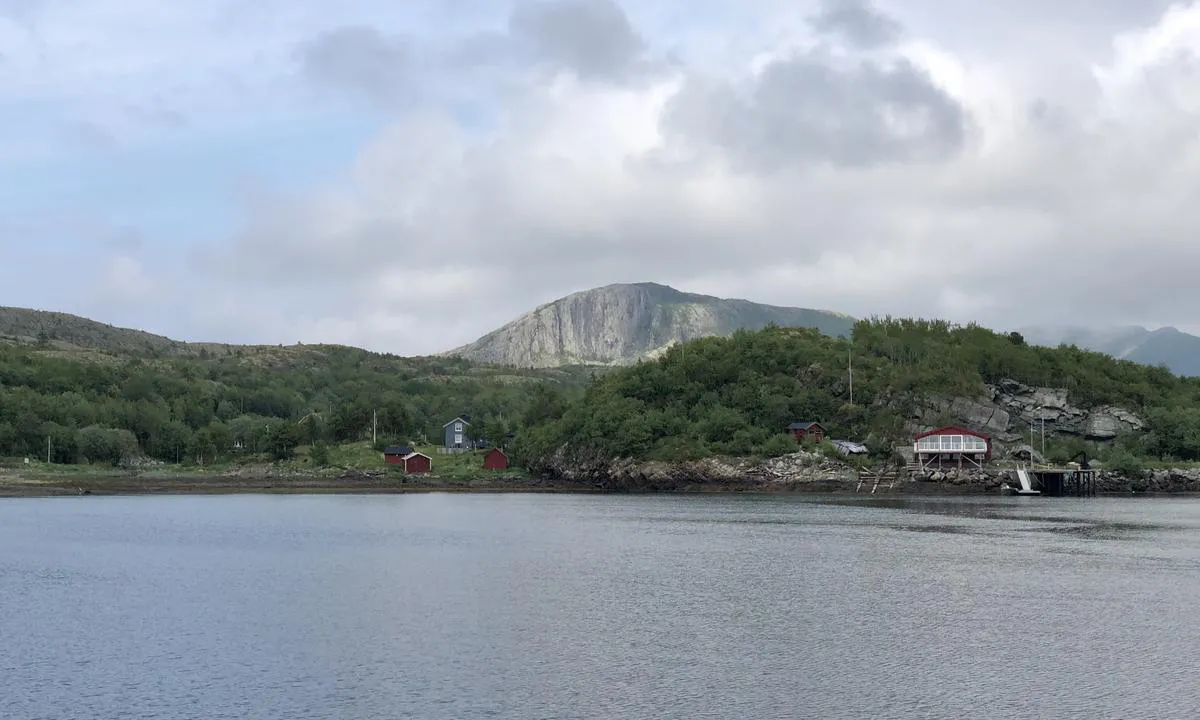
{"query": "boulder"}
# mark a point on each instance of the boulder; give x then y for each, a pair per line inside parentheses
(1026, 453)
(1106, 423)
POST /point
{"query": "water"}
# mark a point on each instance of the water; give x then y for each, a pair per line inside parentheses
(456, 606)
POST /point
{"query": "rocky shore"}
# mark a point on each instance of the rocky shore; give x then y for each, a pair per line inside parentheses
(806, 471)
(797, 472)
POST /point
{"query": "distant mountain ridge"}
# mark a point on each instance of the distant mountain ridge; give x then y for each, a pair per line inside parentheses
(612, 325)
(1178, 351)
(622, 323)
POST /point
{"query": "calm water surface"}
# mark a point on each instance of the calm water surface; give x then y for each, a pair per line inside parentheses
(455, 606)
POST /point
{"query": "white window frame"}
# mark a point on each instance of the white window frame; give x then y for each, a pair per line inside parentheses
(951, 444)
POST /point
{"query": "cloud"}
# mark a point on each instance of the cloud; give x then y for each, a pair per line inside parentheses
(592, 38)
(359, 58)
(802, 109)
(857, 22)
(867, 158)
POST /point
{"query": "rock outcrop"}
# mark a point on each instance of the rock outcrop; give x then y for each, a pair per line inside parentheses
(1007, 409)
(621, 324)
(623, 474)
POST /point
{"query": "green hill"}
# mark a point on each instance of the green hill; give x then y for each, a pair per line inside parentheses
(107, 406)
(733, 396)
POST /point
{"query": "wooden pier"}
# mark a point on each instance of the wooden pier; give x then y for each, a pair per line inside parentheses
(1065, 482)
(884, 477)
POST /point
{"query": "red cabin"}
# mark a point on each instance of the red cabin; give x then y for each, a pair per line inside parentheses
(395, 455)
(953, 446)
(802, 430)
(495, 460)
(417, 463)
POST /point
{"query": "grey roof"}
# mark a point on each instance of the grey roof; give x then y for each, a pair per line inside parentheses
(849, 447)
(457, 419)
(397, 450)
(804, 425)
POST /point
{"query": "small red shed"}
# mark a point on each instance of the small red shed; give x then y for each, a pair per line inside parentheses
(802, 430)
(395, 454)
(495, 459)
(417, 463)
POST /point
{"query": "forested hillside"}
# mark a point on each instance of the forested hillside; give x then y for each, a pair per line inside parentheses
(97, 406)
(735, 395)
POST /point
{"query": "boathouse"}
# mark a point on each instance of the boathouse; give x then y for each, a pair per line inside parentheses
(495, 459)
(951, 447)
(416, 462)
(807, 430)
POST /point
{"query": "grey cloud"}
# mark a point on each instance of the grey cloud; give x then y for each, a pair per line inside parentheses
(803, 110)
(593, 38)
(87, 136)
(361, 59)
(858, 21)
(156, 113)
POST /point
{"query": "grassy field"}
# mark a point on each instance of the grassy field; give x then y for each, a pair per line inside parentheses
(355, 457)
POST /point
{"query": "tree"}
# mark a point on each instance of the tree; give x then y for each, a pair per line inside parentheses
(280, 439)
(319, 455)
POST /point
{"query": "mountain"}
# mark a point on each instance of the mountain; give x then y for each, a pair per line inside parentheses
(1178, 351)
(623, 323)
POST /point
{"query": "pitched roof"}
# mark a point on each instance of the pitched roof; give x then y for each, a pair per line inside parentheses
(414, 454)
(495, 450)
(951, 430)
(804, 425)
(457, 419)
(397, 450)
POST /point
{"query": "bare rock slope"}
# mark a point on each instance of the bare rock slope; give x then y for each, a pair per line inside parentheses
(621, 324)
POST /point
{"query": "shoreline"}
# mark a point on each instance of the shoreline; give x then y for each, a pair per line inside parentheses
(144, 485)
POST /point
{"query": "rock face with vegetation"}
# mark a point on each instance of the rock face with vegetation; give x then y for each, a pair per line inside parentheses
(1009, 408)
(621, 324)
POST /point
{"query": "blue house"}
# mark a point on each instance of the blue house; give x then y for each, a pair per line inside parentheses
(454, 434)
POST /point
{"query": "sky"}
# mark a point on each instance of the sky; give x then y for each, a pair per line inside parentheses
(408, 176)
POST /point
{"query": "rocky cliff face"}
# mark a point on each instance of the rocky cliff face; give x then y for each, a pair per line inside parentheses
(1008, 408)
(621, 324)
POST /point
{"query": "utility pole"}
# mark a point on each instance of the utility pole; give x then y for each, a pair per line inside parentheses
(1043, 437)
(374, 415)
(850, 370)
(47, 449)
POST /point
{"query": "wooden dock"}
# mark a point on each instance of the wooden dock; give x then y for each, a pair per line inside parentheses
(885, 477)
(1065, 482)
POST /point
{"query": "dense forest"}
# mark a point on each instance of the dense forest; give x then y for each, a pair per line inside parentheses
(734, 395)
(100, 407)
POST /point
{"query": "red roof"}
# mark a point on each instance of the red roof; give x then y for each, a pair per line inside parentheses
(952, 430)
